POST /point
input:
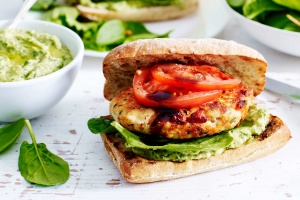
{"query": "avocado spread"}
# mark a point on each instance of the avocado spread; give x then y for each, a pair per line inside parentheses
(177, 150)
(26, 54)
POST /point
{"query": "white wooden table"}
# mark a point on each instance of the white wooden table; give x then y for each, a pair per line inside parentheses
(93, 176)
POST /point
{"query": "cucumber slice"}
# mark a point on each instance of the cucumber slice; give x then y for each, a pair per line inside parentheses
(111, 32)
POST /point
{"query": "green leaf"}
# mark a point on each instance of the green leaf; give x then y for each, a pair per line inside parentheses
(111, 32)
(43, 4)
(236, 3)
(202, 144)
(292, 4)
(101, 125)
(136, 27)
(101, 35)
(10, 133)
(38, 165)
(253, 9)
(69, 17)
(280, 20)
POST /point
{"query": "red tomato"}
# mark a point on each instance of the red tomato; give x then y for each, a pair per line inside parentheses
(197, 78)
(152, 93)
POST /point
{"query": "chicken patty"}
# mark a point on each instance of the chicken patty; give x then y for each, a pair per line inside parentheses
(223, 113)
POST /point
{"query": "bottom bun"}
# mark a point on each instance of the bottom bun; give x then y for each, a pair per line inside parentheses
(139, 170)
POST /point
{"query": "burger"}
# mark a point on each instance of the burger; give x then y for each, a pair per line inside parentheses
(180, 107)
(138, 10)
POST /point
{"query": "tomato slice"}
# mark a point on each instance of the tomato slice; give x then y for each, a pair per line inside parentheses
(152, 93)
(192, 77)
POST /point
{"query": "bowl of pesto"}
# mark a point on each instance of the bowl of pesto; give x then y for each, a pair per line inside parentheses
(274, 23)
(39, 62)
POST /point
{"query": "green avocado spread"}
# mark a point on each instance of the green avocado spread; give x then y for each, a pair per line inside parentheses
(177, 150)
(26, 54)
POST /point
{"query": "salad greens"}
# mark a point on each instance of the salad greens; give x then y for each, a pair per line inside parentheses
(283, 14)
(43, 4)
(101, 35)
(36, 163)
(292, 4)
(181, 150)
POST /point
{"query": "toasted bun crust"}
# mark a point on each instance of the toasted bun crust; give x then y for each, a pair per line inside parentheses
(146, 14)
(120, 64)
(139, 170)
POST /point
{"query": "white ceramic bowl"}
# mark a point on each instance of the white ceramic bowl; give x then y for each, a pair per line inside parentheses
(281, 40)
(32, 98)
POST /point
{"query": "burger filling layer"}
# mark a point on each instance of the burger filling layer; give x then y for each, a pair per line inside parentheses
(154, 148)
(181, 102)
(180, 150)
(178, 112)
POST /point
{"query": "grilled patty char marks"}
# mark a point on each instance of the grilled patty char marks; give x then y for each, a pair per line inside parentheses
(210, 118)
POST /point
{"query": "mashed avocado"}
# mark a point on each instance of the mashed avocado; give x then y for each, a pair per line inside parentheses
(26, 54)
(178, 150)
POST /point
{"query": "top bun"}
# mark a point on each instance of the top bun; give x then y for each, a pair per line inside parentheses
(144, 14)
(120, 65)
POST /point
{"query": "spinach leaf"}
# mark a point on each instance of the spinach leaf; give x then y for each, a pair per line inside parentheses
(292, 4)
(253, 9)
(280, 20)
(136, 28)
(101, 125)
(38, 165)
(10, 133)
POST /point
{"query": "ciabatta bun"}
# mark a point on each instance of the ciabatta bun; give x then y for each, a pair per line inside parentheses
(144, 14)
(120, 64)
(139, 170)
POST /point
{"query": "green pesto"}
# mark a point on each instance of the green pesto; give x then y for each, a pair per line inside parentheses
(178, 150)
(26, 54)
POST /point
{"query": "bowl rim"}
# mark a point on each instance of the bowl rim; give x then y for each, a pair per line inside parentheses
(76, 58)
(234, 12)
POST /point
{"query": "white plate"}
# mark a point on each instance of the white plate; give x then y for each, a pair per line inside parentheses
(207, 22)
